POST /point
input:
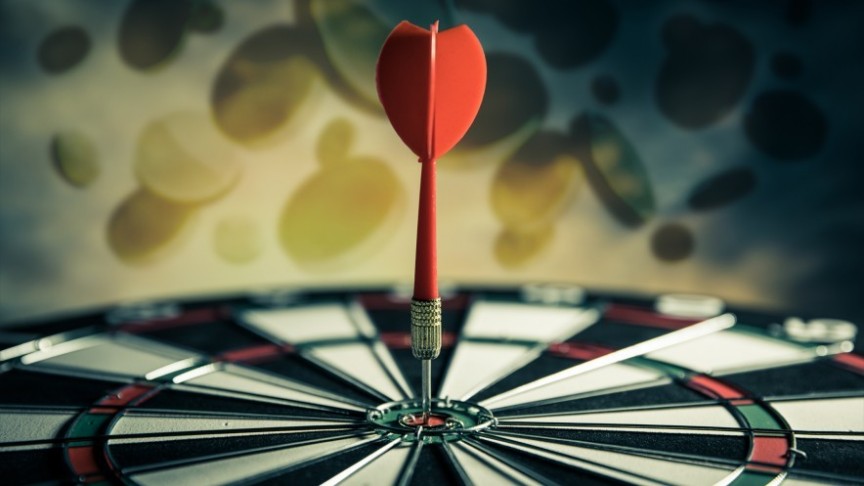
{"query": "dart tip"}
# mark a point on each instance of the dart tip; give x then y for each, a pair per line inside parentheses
(434, 27)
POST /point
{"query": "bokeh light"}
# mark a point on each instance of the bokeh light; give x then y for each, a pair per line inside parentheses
(153, 149)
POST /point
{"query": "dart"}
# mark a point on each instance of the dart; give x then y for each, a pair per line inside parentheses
(431, 85)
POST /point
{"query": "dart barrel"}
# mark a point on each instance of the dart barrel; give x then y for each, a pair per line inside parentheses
(426, 328)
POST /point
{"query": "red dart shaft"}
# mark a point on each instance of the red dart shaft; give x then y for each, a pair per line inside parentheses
(426, 260)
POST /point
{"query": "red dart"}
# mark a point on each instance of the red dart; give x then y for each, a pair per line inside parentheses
(431, 85)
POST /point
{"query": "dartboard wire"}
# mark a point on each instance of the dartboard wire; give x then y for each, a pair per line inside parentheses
(576, 396)
(577, 463)
(204, 414)
(682, 428)
(382, 354)
(38, 359)
(359, 428)
(181, 421)
(133, 341)
(632, 408)
(650, 428)
(26, 408)
(91, 374)
(75, 373)
(815, 396)
(514, 475)
(682, 457)
(66, 343)
(168, 411)
(410, 465)
(708, 402)
(357, 466)
(470, 441)
(173, 463)
(680, 336)
(661, 380)
(42, 342)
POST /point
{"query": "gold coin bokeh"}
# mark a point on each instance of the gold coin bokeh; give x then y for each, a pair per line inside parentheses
(237, 239)
(530, 195)
(262, 85)
(530, 191)
(145, 227)
(514, 248)
(341, 206)
(183, 158)
(75, 158)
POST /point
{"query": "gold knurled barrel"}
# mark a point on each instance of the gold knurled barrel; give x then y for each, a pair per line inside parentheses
(426, 328)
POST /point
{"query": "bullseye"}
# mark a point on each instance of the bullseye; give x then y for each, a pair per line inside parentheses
(447, 420)
(430, 420)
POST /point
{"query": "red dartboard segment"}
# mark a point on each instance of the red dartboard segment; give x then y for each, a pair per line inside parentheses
(187, 318)
(580, 351)
(713, 387)
(770, 451)
(254, 354)
(645, 317)
(852, 362)
(431, 85)
(121, 397)
(82, 460)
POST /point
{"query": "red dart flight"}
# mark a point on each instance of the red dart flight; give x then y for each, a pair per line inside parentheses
(431, 85)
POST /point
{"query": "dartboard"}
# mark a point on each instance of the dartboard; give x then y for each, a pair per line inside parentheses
(536, 384)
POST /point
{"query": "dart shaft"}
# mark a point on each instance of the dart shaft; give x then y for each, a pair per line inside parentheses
(426, 258)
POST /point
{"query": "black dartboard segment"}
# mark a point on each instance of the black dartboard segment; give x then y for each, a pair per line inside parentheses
(588, 389)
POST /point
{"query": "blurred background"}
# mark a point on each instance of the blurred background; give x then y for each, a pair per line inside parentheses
(160, 149)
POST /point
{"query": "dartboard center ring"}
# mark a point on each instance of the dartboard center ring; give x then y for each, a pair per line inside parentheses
(447, 420)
